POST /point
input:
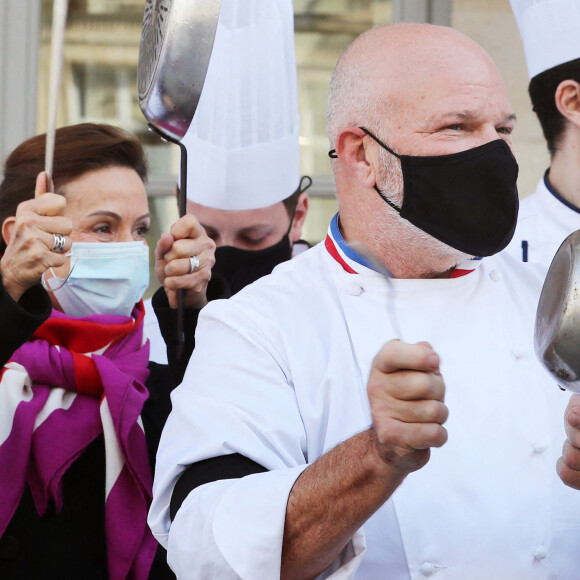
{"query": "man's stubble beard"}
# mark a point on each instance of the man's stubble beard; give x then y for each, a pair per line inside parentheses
(423, 254)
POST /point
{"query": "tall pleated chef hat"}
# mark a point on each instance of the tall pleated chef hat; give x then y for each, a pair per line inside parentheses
(549, 30)
(243, 142)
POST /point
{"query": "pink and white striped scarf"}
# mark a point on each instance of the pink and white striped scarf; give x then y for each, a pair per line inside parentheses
(76, 379)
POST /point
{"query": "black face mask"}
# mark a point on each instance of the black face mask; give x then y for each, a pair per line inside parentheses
(467, 200)
(242, 267)
(238, 267)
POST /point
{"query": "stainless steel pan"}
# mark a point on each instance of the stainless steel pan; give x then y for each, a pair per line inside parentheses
(59, 13)
(557, 330)
(176, 44)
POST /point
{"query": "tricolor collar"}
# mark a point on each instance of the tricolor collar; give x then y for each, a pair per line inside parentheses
(350, 259)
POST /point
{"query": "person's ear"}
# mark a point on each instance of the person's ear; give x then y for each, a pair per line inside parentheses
(300, 214)
(8, 229)
(567, 98)
(352, 152)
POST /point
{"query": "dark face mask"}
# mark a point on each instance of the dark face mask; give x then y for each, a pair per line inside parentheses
(467, 200)
(242, 267)
(238, 267)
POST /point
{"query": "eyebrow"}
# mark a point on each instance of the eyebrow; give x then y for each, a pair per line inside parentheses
(470, 115)
(242, 230)
(258, 227)
(116, 216)
(510, 117)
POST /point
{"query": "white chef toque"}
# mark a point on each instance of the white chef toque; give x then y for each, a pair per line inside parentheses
(550, 30)
(243, 142)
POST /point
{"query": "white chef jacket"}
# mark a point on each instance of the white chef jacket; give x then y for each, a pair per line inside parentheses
(545, 220)
(279, 375)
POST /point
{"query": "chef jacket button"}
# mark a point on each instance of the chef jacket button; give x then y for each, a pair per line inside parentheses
(427, 568)
(540, 447)
(353, 288)
(9, 548)
(495, 275)
(540, 552)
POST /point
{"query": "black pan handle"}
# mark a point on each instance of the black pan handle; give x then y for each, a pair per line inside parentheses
(182, 200)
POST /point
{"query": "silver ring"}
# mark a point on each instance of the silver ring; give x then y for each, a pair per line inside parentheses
(193, 264)
(58, 243)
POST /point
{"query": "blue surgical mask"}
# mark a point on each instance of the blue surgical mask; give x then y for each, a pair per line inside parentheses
(105, 278)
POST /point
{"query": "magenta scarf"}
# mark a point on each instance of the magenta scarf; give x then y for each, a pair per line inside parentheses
(78, 379)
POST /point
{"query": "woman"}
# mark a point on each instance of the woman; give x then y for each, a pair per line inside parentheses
(81, 413)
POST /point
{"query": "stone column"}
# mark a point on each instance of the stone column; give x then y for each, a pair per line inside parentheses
(19, 41)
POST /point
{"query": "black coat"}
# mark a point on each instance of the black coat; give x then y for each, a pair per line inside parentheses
(71, 544)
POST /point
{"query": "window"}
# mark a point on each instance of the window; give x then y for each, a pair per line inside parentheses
(99, 84)
(323, 29)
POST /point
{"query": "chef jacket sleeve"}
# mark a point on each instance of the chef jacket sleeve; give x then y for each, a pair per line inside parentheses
(241, 531)
(237, 396)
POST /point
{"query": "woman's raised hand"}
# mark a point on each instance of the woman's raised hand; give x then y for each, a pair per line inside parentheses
(38, 238)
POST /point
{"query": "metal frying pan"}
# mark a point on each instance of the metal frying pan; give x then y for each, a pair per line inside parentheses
(176, 44)
(557, 331)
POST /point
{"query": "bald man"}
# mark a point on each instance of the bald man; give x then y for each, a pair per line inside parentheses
(336, 424)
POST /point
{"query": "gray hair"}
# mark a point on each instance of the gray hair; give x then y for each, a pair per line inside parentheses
(352, 97)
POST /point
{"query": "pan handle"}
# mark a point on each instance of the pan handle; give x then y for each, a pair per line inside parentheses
(182, 208)
(182, 200)
(59, 14)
